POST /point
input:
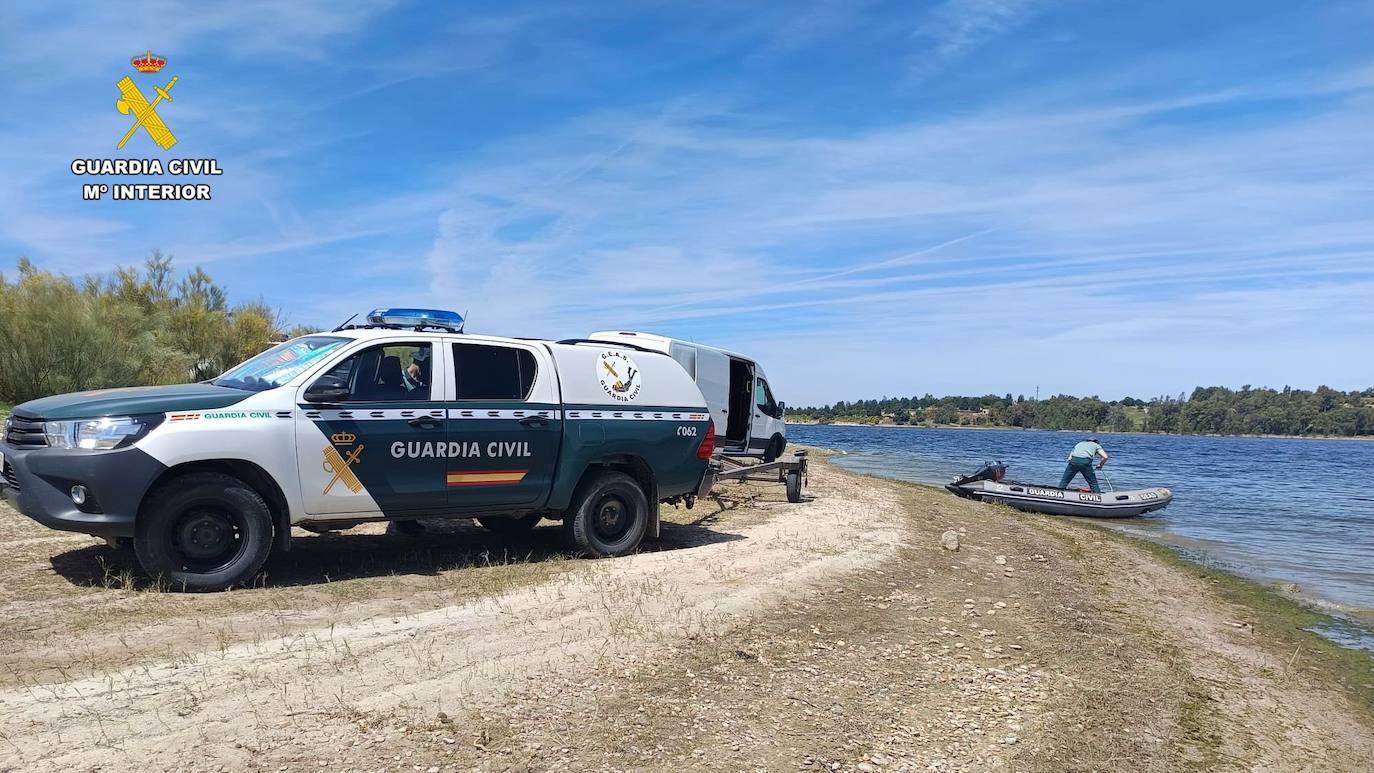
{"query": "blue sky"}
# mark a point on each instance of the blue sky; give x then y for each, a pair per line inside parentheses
(874, 199)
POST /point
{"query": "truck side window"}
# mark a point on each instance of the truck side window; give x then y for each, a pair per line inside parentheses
(387, 372)
(763, 396)
(493, 372)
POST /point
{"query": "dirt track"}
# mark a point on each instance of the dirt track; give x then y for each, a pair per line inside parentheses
(836, 634)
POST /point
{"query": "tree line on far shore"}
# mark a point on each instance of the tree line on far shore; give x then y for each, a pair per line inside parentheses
(1208, 410)
(138, 326)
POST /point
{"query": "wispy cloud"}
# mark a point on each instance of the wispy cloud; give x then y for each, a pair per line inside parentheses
(954, 29)
(687, 217)
(777, 182)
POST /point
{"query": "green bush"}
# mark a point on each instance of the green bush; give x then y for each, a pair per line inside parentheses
(142, 326)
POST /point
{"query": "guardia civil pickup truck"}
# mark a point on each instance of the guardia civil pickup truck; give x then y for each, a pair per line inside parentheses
(401, 418)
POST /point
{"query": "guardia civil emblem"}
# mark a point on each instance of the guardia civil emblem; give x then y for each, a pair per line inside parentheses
(340, 466)
(131, 100)
(619, 376)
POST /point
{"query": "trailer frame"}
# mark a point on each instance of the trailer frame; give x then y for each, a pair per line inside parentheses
(789, 472)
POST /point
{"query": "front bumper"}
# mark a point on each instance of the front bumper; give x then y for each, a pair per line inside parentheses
(38, 481)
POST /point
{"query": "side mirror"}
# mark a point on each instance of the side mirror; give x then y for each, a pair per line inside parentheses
(782, 406)
(328, 389)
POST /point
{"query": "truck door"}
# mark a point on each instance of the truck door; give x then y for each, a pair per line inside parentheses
(767, 416)
(741, 403)
(504, 426)
(378, 449)
(711, 369)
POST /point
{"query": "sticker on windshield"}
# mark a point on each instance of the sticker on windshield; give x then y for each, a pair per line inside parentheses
(619, 376)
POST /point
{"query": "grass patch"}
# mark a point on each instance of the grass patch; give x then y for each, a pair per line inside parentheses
(1281, 621)
(1198, 723)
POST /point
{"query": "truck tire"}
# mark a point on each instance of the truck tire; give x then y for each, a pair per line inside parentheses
(120, 544)
(410, 528)
(775, 448)
(204, 532)
(510, 525)
(609, 516)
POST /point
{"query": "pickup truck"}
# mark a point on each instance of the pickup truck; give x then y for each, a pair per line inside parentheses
(399, 419)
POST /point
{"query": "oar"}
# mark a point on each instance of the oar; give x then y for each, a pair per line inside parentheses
(1110, 485)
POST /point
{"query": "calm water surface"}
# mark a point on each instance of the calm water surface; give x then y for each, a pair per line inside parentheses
(1276, 509)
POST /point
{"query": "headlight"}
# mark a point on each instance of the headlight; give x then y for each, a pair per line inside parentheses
(97, 434)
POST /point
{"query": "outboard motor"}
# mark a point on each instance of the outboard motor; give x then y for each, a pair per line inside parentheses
(993, 471)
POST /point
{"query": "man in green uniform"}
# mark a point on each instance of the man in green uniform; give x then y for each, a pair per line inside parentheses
(1081, 463)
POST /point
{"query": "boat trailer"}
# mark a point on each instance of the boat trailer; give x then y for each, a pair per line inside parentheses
(790, 472)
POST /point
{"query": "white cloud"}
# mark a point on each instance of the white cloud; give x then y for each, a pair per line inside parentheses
(996, 225)
(954, 29)
(1069, 224)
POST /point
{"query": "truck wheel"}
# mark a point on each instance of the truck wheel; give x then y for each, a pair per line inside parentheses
(510, 525)
(609, 517)
(204, 532)
(119, 544)
(774, 449)
(794, 486)
(405, 528)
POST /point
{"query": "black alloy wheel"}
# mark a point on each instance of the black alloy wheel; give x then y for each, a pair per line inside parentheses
(208, 538)
(612, 519)
(609, 515)
(203, 531)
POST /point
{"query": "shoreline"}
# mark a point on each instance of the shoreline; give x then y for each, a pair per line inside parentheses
(1230, 632)
(1335, 611)
(985, 428)
(1209, 556)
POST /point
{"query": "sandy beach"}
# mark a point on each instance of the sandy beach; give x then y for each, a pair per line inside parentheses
(842, 633)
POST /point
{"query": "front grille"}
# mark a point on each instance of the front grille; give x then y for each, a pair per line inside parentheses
(25, 433)
(11, 479)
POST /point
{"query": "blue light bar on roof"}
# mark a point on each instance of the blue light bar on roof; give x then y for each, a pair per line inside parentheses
(450, 320)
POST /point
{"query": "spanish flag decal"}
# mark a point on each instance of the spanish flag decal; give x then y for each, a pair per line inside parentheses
(486, 477)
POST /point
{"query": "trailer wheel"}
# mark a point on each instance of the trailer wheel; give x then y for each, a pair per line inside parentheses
(206, 531)
(510, 525)
(609, 517)
(794, 486)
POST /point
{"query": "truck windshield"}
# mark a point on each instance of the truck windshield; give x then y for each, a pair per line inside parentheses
(280, 364)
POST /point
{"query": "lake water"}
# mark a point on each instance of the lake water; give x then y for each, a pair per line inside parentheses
(1274, 509)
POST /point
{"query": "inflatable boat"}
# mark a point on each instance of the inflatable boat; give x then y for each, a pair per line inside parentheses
(989, 485)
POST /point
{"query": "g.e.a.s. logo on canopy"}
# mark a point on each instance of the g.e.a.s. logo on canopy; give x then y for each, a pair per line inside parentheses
(619, 376)
(133, 101)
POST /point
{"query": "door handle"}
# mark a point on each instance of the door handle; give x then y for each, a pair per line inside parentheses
(425, 422)
(534, 421)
